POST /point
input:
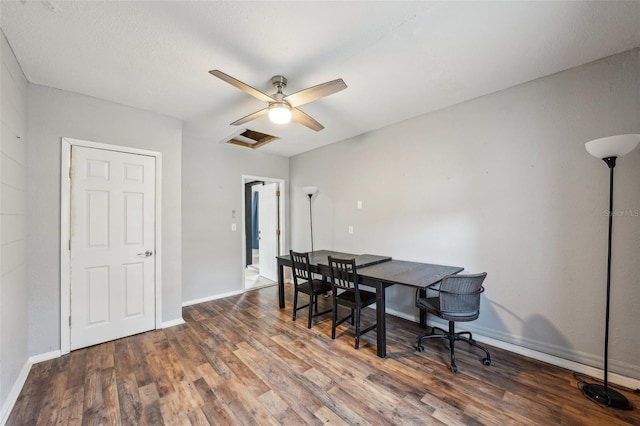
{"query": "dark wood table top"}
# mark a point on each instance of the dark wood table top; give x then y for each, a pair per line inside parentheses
(320, 257)
(413, 274)
(374, 268)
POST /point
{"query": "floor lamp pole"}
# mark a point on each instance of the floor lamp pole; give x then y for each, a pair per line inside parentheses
(311, 221)
(602, 393)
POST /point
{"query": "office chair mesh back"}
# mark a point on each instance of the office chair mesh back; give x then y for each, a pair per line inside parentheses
(460, 297)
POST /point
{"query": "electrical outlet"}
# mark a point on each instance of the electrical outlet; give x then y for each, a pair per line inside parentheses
(350, 230)
(359, 204)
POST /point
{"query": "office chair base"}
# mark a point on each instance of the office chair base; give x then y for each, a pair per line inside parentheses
(608, 397)
(453, 337)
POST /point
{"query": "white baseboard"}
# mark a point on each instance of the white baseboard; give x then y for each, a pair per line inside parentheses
(210, 298)
(12, 397)
(44, 357)
(618, 379)
(172, 323)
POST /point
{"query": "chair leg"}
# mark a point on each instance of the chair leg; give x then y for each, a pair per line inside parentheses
(352, 317)
(468, 333)
(452, 340)
(311, 300)
(334, 318)
(452, 336)
(295, 303)
(357, 342)
(487, 359)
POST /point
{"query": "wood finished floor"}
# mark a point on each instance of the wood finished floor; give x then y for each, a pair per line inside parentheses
(240, 360)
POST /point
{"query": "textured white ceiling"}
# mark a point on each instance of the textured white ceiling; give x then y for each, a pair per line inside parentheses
(399, 59)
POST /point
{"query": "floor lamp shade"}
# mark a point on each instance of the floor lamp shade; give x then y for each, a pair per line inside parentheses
(608, 149)
(612, 146)
(310, 190)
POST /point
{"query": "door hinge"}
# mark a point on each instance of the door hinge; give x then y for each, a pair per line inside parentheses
(278, 232)
(69, 244)
(277, 193)
(69, 320)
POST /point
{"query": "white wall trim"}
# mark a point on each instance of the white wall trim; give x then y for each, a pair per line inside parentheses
(173, 323)
(44, 357)
(223, 295)
(12, 397)
(210, 298)
(65, 231)
(618, 379)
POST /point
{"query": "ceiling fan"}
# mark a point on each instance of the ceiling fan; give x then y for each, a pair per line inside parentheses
(284, 108)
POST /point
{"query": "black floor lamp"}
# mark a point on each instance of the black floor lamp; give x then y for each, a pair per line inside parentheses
(608, 149)
(310, 191)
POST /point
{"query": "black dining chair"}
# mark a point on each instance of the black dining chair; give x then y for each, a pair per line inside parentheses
(457, 300)
(346, 292)
(304, 282)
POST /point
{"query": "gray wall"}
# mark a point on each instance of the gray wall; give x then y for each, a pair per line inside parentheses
(13, 223)
(53, 114)
(502, 184)
(212, 189)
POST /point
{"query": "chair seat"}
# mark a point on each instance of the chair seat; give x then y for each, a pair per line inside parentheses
(432, 304)
(348, 299)
(319, 287)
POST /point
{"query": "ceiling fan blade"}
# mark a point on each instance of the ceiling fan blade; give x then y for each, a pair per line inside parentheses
(242, 86)
(316, 92)
(251, 116)
(304, 119)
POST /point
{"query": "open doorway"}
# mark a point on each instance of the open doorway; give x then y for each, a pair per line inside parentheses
(263, 212)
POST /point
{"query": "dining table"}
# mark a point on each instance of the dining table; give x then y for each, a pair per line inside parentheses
(378, 272)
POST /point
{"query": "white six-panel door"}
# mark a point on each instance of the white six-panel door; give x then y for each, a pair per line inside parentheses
(112, 245)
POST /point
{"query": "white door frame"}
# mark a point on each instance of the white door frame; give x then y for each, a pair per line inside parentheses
(283, 217)
(65, 232)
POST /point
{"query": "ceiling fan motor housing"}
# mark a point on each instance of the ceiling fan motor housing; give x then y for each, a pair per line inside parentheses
(279, 82)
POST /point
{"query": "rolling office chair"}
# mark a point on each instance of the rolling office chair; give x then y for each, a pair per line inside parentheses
(345, 278)
(458, 300)
(303, 282)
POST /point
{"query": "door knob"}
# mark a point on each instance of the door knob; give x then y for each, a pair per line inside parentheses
(146, 253)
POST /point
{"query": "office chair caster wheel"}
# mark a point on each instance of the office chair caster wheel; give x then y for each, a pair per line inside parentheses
(420, 348)
(454, 368)
(486, 361)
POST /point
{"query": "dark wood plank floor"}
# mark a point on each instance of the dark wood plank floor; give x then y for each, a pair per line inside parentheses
(240, 360)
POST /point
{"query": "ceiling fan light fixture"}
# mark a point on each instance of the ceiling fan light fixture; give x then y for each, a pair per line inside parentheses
(279, 112)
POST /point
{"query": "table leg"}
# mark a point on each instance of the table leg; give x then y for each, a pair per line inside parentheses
(381, 323)
(423, 313)
(281, 285)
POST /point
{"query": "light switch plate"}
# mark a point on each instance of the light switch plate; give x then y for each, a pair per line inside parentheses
(233, 227)
(350, 230)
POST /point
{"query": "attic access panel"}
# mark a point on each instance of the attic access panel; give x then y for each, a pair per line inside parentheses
(251, 139)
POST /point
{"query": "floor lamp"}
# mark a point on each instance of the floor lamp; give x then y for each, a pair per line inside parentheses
(608, 149)
(310, 191)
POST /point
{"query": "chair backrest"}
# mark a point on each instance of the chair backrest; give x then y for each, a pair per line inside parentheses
(460, 296)
(300, 268)
(343, 275)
